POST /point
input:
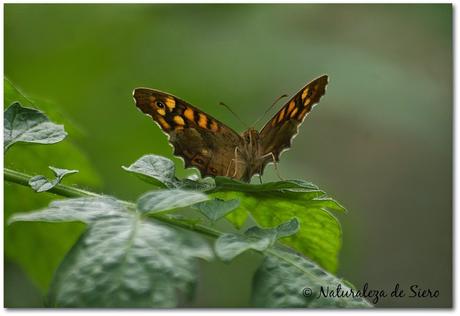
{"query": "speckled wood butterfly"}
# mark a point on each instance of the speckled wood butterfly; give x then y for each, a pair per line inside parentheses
(217, 150)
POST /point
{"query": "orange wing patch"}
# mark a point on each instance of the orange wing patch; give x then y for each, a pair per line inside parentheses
(170, 103)
(189, 114)
(179, 120)
(293, 112)
(281, 115)
(305, 93)
(214, 126)
(291, 106)
(163, 123)
(203, 120)
(301, 115)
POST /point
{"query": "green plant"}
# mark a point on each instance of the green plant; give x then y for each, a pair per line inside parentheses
(139, 254)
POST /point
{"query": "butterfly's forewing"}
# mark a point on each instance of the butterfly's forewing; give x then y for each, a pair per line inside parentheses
(201, 140)
(277, 134)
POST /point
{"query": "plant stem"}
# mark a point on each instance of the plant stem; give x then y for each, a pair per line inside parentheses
(72, 192)
(59, 189)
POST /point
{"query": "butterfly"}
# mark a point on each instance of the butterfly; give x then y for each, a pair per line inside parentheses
(217, 150)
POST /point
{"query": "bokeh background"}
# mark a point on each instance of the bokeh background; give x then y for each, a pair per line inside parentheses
(380, 141)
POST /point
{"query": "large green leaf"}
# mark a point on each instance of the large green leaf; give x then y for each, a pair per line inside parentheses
(271, 204)
(42, 184)
(286, 279)
(38, 248)
(29, 125)
(123, 260)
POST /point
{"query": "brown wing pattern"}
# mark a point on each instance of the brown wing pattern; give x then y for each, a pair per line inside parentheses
(278, 133)
(201, 140)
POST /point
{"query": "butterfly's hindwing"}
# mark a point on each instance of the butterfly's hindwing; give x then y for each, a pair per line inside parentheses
(277, 134)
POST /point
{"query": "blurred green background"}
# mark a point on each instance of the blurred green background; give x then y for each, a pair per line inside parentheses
(380, 141)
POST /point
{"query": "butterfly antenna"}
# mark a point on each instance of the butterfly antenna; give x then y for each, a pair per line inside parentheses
(268, 110)
(231, 111)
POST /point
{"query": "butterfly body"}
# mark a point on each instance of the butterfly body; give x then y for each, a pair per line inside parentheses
(215, 149)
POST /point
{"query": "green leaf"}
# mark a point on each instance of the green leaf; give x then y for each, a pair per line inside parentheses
(154, 169)
(160, 171)
(164, 200)
(229, 184)
(320, 233)
(38, 248)
(29, 125)
(239, 216)
(191, 221)
(271, 204)
(197, 184)
(41, 184)
(288, 228)
(123, 260)
(228, 246)
(85, 210)
(287, 279)
(283, 230)
(216, 208)
(130, 263)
